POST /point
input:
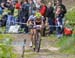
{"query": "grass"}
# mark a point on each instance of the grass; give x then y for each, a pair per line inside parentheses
(71, 16)
(2, 36)
(67, 44)
(5, 36)
(6, 50)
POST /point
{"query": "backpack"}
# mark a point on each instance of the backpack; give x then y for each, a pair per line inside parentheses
(67, 31)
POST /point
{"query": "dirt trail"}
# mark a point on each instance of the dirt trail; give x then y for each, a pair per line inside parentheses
(48, 50)
(46, 43)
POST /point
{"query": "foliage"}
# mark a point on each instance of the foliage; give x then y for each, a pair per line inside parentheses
(5, 47)
(67, 44)
(71, 16)
(2, 36)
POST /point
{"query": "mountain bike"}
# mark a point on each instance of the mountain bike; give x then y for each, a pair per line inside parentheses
(37, 40)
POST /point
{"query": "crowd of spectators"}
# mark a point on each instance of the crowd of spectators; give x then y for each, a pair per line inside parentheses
(11, 11)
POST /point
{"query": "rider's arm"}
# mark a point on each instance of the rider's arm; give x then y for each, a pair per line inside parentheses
(28, 20)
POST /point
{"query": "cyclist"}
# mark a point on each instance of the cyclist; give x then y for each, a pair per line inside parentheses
(36, 21)
(30, 24)
(38, 24)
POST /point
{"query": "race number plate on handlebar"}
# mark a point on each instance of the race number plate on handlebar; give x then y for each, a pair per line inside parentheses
(37, 26)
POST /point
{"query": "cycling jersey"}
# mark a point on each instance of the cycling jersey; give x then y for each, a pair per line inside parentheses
(36, 22)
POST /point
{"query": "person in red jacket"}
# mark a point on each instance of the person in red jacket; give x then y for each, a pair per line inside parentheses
(43, 10)
(18, 5)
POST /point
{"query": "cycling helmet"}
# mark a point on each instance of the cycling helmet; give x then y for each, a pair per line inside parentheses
(38, 15)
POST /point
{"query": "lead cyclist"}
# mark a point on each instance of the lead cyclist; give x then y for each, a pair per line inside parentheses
(38, 24)
(35, 21)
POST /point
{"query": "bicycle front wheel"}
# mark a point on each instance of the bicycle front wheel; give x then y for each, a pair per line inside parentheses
(38, 42)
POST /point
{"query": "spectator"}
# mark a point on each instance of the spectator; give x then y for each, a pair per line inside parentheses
(43, 10)
(9, 5)
(60, 10)
(50, 16)
(4, 16)
(37, 3)
(1, 10)
(10, 21)
(58, 3)
(24, 15)
(59, 22)
(2, 5)
(18, 5)
(32, 7)
(15, 12)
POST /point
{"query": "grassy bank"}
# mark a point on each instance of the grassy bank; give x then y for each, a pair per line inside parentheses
(6, 50)
(71, 15)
